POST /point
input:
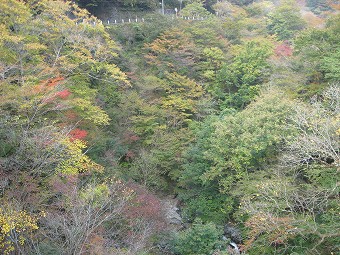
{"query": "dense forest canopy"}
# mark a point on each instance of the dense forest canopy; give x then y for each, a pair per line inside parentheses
(177, 136)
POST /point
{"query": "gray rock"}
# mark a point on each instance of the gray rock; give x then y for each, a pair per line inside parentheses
(172, 212)
(235, 247)
(233, 233)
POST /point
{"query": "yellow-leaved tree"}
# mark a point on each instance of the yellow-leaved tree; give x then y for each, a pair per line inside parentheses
(15, 228)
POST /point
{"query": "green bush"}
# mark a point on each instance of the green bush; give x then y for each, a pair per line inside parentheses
(199, 239)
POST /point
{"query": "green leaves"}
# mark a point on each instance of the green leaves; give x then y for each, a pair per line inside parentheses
(319, 51)
(330, 65)
(246, 140)
(285, 21)
(200, 239)
(247, 69)
(194, 9)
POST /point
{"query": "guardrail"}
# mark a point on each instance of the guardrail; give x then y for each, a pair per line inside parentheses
(112, 22)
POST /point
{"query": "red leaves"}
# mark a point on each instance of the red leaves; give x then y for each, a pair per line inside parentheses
(49, 88)
(63, 94)
(145, 206)
(129, 155)
(77, 134)
(283, 50)
(129, 138)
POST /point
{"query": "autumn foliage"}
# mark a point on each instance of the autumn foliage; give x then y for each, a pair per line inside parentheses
(222, 130)
(283, 50)
(145, 207)
(78, 134)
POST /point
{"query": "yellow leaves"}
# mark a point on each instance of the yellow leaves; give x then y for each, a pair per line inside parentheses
(21, 240)
(180, 104)
(35, 46)
(90, 112)
(3, 31)
(115, 73)
(118, 75)
(182, 97)
(13, 12)
(182, 84)
(59, 38)
(75, 160)
(12, 39)
(94, 194)
(14, 226)
(209, 75)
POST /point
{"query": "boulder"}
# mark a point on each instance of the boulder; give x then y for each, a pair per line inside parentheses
(233, 233)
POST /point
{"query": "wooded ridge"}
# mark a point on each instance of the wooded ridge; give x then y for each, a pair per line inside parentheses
(212, 135)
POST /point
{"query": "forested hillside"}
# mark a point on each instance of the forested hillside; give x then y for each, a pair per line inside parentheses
(172, 136)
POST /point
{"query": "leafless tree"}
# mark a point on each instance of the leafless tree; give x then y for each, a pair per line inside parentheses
(72, 225)
(282, 209)
(317, 126)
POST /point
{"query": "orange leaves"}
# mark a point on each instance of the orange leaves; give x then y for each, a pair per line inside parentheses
(46, 86)
(55, 81)
(313, 20)
(77, 134)
(47, 92)
(174, 49)
(277, 230)
(335, 5)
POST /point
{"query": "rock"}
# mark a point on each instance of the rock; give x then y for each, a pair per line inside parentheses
(233, 233)
(172, 212)
(235, 247)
